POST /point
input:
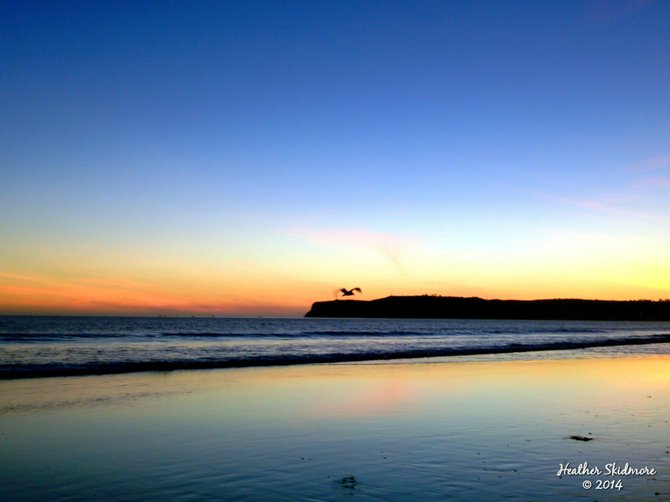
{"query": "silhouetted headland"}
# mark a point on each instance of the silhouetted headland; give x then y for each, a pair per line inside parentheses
(452, 307)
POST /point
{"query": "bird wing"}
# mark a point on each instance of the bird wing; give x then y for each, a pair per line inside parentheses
(343, 290)
(358, 289)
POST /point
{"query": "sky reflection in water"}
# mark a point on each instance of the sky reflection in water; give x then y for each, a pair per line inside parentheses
(429, 431)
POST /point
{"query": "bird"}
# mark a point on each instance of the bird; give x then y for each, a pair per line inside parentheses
(350, 292)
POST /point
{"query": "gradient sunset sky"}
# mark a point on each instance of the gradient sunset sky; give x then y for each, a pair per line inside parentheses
(249, 158)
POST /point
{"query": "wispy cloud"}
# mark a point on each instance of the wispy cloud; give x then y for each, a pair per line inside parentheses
(653, 163)
(655, 182)
(604, 203)
(609, 10)
(32, 293)
(105, 294)
(19, 277)
(635, 200)
(392, 246)
(607, 205)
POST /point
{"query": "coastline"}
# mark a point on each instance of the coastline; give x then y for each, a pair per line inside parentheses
(429, 430)
(49, 370)
(34, 348)
(456, 307)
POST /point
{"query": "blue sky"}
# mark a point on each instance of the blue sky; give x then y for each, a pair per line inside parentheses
(285, 145)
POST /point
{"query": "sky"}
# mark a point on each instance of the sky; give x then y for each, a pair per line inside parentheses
(252, 157)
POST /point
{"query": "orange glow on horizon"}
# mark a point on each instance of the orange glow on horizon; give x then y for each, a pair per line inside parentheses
(35, 295)
(32, 295)
(287, 283)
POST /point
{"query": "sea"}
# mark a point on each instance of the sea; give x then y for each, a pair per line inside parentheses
(42, 346)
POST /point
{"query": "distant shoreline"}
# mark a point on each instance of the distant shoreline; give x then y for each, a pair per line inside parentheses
(452, 307)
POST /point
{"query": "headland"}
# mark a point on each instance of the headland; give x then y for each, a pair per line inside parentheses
(452, 307)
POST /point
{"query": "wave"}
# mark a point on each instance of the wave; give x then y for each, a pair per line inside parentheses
(14, 337)
(50, 337)
(65, 336)
(550, 331)
(15, 371)
(47, 337)
(206, 334)
(387, 333)
(375, 333)
(303, 334)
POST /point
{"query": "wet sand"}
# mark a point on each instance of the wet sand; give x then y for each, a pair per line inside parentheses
(455, 430)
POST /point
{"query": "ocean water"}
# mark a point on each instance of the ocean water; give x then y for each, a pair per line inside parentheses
(63, 346)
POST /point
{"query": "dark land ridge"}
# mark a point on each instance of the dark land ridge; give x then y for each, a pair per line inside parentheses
(453, 307)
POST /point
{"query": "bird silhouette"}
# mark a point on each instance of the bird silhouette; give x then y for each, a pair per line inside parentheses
(350, 292)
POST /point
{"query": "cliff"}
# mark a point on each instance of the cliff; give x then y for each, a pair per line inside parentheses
(450, 307)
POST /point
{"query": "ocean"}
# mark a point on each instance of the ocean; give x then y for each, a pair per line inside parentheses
(62, 346)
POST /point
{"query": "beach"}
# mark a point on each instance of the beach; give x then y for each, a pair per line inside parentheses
(437, 429)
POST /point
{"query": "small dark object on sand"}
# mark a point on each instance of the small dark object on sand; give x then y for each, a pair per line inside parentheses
(581, 438)
(348, 482)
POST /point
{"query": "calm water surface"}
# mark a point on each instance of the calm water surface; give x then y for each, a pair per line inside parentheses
(454, 430)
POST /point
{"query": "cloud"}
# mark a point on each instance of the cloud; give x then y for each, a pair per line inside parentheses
(653, 163)
(609, 10)
(19, 277)
(90, 293)
(655, 182)
(391, 246)
(37, 293)
(612, 206)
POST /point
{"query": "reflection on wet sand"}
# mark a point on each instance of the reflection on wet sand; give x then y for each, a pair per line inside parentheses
(428, 430)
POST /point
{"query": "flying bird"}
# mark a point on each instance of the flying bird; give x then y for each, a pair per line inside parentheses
(350, 292)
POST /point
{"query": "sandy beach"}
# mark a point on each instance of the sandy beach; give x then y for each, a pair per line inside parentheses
(456, 430)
